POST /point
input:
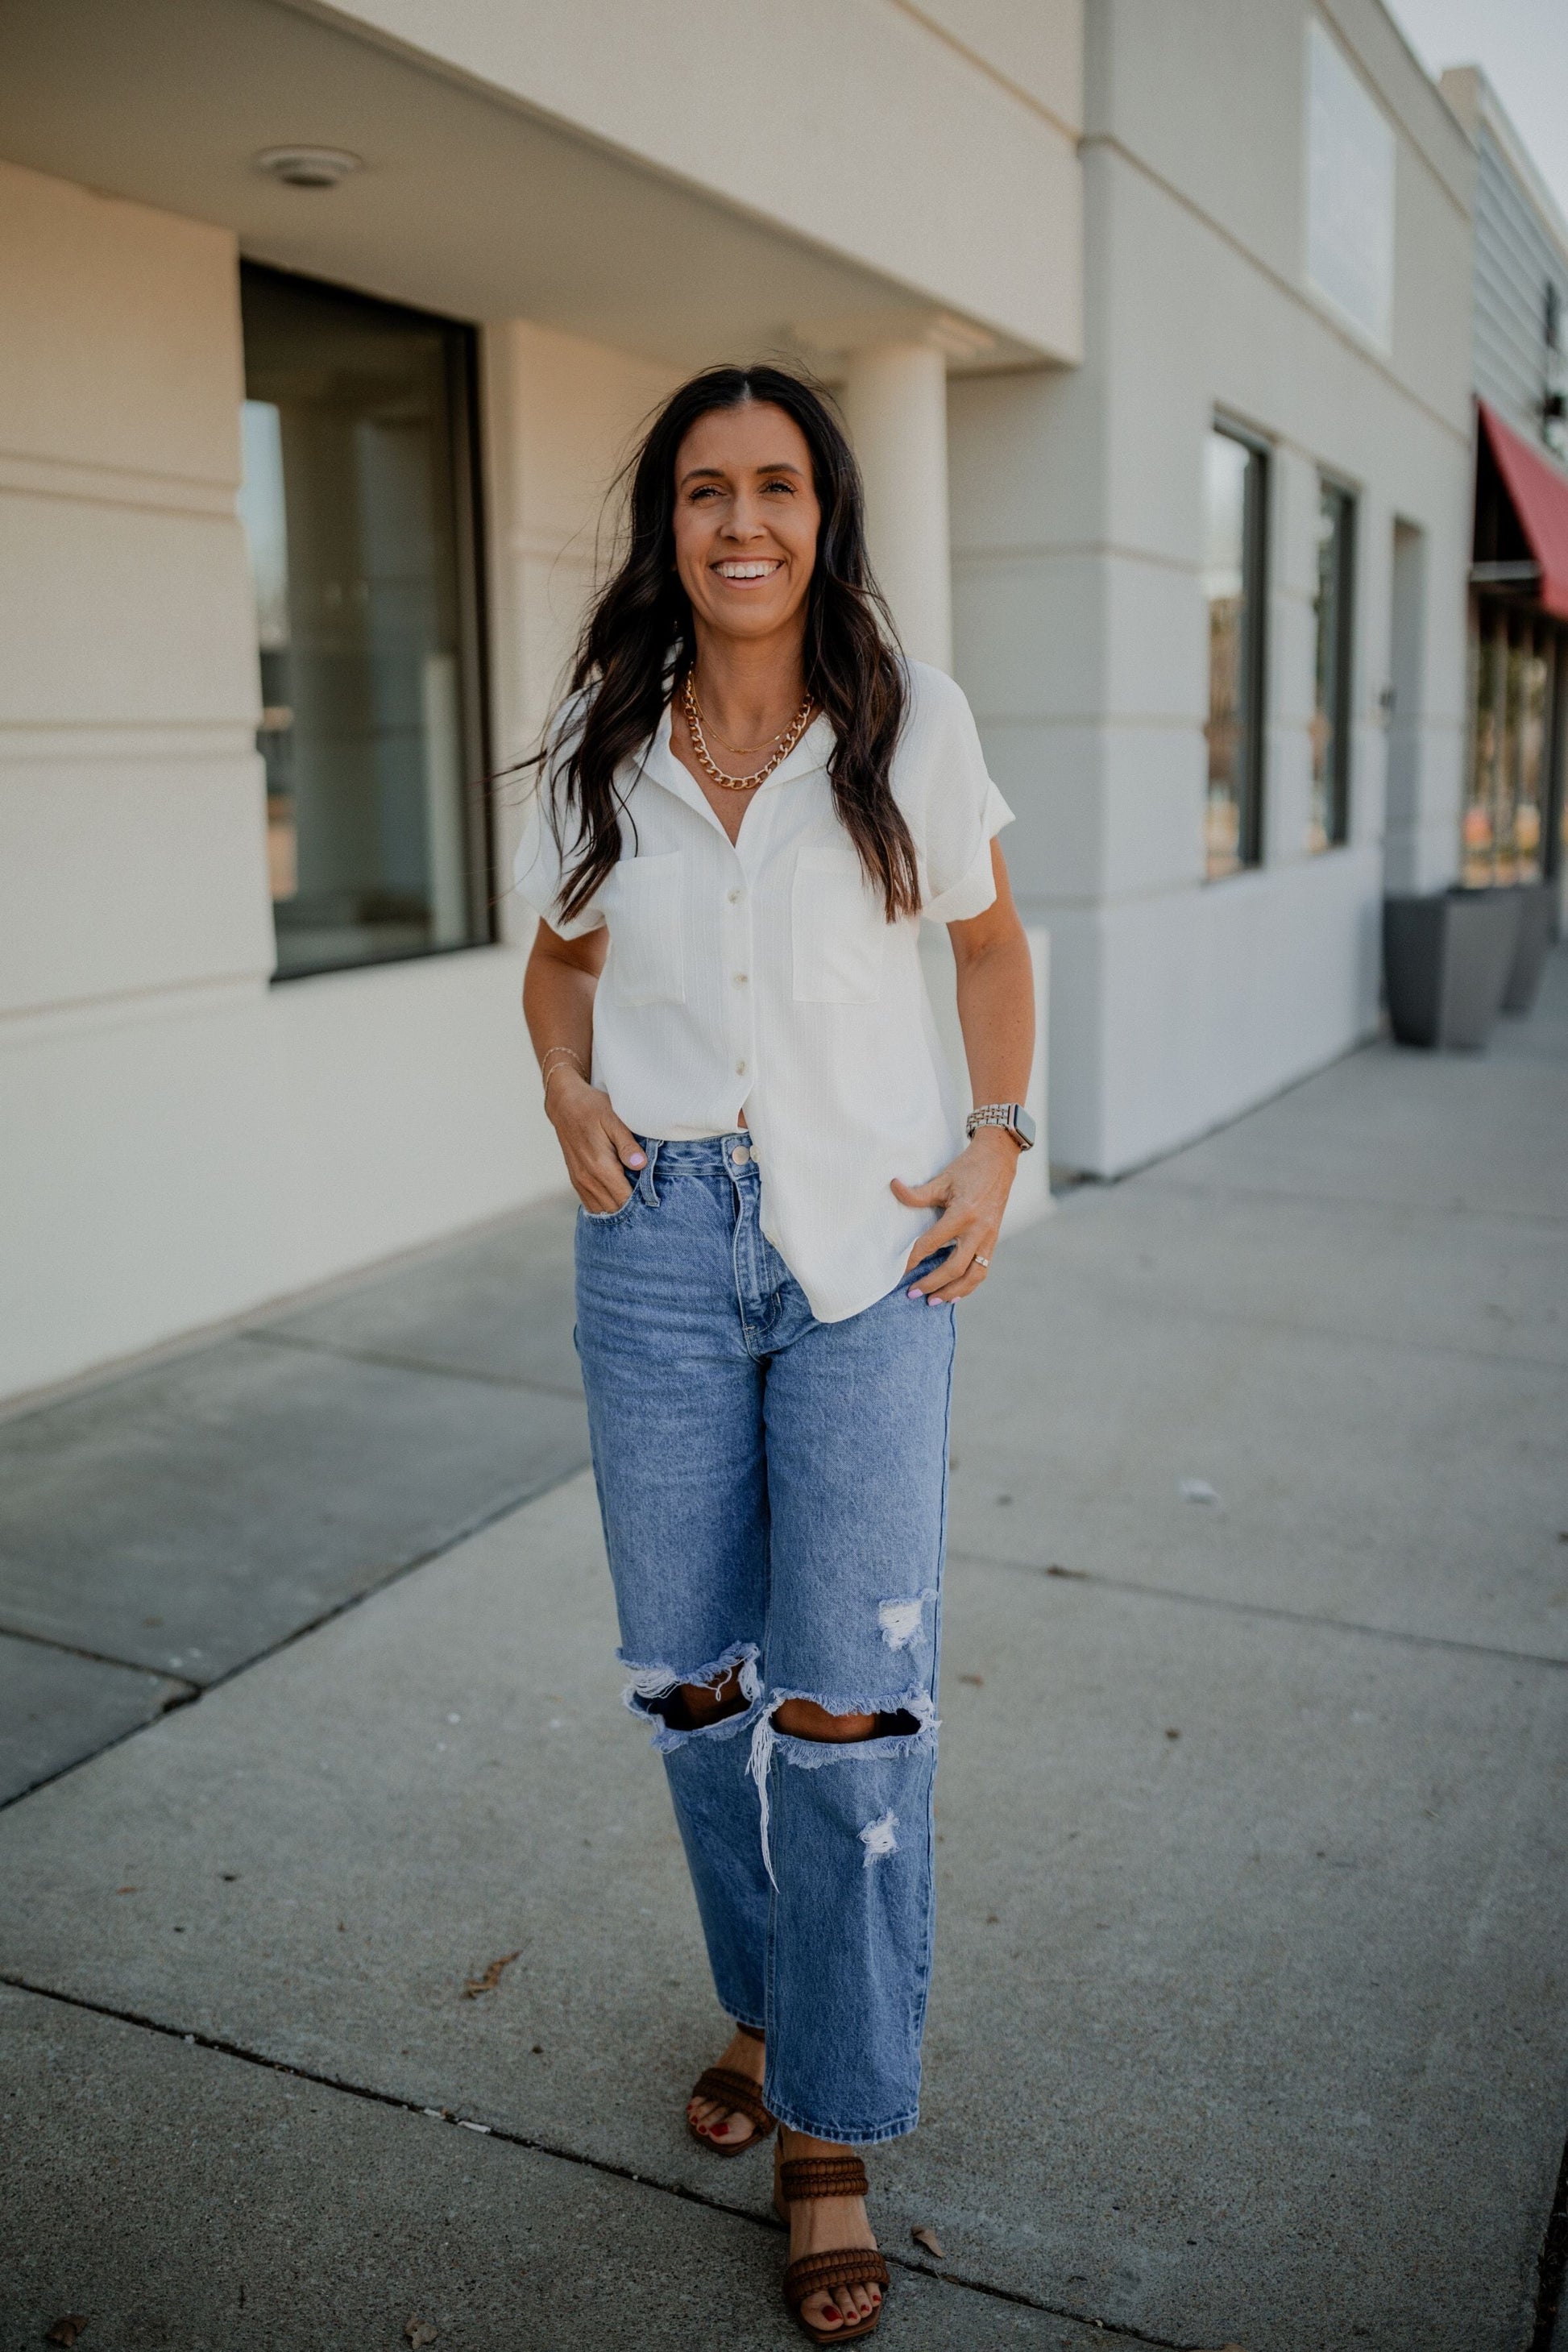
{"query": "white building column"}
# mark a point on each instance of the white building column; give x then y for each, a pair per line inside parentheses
(895, 399)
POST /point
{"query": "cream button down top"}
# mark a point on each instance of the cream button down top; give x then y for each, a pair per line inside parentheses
(764, 977)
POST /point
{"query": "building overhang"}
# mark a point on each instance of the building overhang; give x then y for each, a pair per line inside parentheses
(1526, 548)
(470, 201)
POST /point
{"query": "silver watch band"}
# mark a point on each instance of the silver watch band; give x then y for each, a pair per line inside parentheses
(1012, 1116)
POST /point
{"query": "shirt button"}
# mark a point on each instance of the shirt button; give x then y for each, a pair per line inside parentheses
(740, 1069)
(739, 980)
(740, 1154)
(735, 898)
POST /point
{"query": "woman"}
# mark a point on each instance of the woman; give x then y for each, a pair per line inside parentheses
(746, 807)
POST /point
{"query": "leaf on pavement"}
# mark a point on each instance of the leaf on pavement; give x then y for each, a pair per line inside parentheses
(474, 1986)
(67, 2328)
(927, 2238)
(419, 2331)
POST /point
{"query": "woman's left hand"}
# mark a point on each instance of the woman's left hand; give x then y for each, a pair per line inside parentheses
(971, 1193)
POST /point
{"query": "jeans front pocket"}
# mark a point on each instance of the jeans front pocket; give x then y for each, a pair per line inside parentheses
(647, 939)
(608, 1216)
(838, 933)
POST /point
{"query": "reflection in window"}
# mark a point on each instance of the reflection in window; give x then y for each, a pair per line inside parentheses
(1515, 659)
(1234, 576)
(1329, 818)
(358, 508)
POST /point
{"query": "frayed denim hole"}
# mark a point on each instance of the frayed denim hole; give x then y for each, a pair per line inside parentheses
(646, 1685)
(902, 1623)
(880, 1838)
(739, 1725)
(914, 1700)
(914, 1708)
(818, 1755)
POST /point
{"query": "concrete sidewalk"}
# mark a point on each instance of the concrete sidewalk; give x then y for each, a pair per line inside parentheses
(1250, 2021)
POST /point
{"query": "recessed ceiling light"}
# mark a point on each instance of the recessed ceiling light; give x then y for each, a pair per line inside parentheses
(308, 167)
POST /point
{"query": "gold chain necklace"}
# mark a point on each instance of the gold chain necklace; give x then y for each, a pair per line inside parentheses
(711, 735)
(746, 751)
(783, 743)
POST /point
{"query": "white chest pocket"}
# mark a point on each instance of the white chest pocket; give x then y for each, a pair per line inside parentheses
(647, 937)
(839, 932)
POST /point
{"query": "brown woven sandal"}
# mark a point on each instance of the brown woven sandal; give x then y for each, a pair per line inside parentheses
(828, 2175)
(737, 2092)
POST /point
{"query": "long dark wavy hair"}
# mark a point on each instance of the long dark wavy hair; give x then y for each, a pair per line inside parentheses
(639, 641)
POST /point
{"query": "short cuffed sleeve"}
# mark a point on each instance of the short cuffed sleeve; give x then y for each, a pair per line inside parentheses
(957, 810)
(537, 867)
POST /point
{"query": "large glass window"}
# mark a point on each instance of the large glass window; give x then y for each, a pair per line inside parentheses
(359, 503)
(1234, 576)
(1329, 819)
(1516, 668)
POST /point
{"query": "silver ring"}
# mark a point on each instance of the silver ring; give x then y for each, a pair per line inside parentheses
(983, 1261)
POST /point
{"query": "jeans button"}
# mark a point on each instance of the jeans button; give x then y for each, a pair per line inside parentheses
(740, 1154)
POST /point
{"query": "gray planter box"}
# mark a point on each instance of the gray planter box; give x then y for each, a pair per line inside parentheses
(1447, 960)
(1537, 921)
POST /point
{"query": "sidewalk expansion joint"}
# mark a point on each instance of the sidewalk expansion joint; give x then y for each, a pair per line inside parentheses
(1201, 1187)
(195, 1691)
(97, 1657)
(1175, 1594)
(1344, 1335)
(1113, 2329)
(390, 1361)
(1551, 2265)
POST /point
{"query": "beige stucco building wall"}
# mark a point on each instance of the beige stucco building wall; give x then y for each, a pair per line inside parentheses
(1080, 629)
(1089, 222)
(181, 1139)
(937, 144)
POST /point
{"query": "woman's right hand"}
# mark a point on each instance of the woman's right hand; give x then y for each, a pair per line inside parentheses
(597, 1147)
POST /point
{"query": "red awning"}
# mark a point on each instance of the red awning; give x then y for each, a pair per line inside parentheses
(1540, 495)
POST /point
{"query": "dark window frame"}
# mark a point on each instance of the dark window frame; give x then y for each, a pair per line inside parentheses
(473, 626)
(1342, 717)
(1256, 590)
(467, 491)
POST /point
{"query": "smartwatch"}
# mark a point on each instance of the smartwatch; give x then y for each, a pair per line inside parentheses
(1012, 1116)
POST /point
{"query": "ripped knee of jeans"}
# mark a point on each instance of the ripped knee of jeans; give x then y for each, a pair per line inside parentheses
(713, 1700)
(803, 1719)
(892, 1723)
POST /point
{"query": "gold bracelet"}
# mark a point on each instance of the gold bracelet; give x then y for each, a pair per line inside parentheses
(551, 1074)
(566, 1053)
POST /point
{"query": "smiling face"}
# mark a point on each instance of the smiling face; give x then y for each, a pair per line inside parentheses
(746, 518)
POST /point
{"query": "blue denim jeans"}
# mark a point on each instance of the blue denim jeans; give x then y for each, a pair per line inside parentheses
(773, 1492)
